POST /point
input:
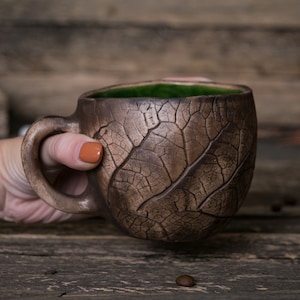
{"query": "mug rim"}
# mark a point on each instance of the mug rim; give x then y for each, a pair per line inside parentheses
(243, 88)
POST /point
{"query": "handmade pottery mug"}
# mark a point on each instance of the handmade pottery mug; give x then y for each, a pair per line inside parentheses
(178, 156)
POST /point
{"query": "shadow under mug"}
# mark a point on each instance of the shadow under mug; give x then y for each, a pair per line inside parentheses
(178, 156)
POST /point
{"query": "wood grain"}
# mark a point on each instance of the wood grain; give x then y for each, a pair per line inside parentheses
(213, 12)
(51, 54)
(105, 48)
(99, 266)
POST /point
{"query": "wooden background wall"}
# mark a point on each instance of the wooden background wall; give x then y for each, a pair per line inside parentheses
(52, 51)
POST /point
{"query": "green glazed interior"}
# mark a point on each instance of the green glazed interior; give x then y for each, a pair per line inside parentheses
(164, 91)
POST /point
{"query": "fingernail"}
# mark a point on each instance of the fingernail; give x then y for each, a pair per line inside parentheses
(91, 152)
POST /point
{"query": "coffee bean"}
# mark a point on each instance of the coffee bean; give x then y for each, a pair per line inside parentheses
(50, 272)
(276, 207)
(185, 280)
(289, 200)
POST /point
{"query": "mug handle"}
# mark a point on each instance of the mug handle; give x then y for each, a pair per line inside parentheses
(36, 134)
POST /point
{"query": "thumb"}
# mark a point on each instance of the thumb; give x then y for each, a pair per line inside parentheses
(76, 151)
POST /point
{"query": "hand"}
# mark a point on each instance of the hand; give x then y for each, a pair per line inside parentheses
(63, 153)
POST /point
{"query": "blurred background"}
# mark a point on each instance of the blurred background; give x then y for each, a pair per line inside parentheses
(53, 51)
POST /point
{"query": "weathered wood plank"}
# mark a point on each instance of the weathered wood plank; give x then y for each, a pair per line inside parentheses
(230, 12)
(277, 171)
(135, 49)
(224, 245)
(112, 44)
(36, 95)
(255, 223)
(267, 265)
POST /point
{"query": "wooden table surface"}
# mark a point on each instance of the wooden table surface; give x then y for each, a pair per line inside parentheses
(256, 256)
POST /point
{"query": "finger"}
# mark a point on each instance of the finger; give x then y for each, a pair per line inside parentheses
(27, 211)
(76, 151)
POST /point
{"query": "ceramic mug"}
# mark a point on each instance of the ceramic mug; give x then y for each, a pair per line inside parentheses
(178, 156)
